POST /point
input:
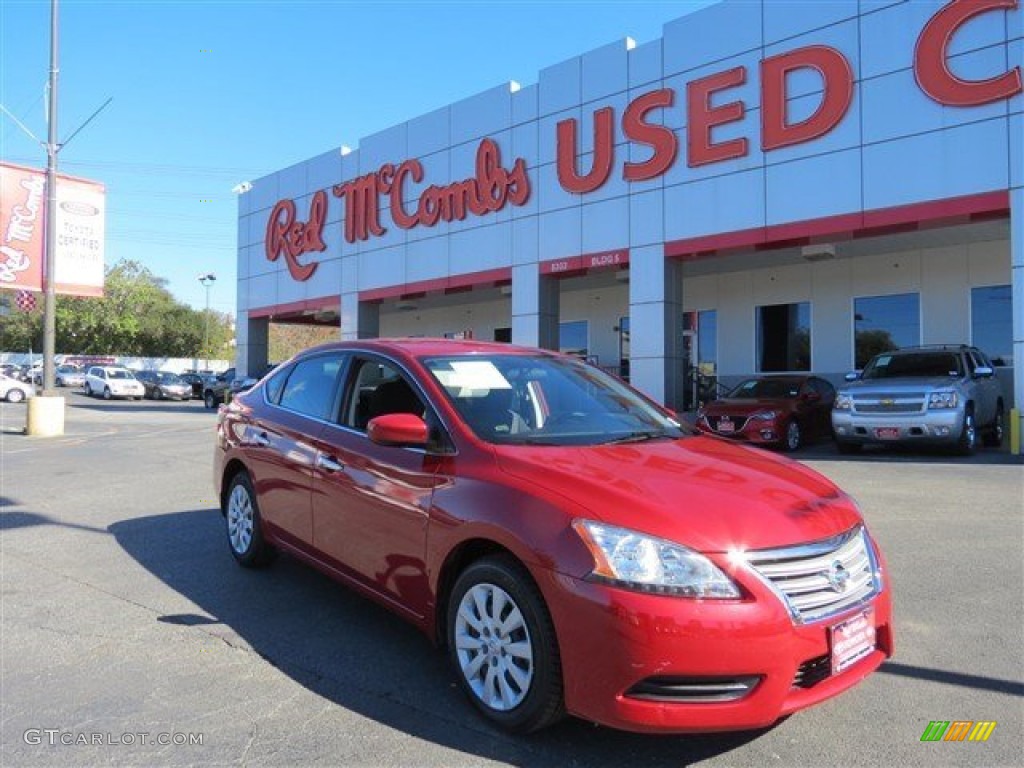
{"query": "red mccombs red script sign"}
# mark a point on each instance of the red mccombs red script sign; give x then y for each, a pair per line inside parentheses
(492, 187)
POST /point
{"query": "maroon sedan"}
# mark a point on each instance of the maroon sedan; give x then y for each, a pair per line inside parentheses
(780, 411)
(574, 547)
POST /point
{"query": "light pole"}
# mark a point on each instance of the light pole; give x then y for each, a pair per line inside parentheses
(207, 280)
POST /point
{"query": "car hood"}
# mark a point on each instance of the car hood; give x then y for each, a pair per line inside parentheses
(705, 493)
(743, 406)
(902, 384)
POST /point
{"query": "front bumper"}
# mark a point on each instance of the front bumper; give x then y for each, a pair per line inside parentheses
(937, 426)
(756, 431)
(612, 641)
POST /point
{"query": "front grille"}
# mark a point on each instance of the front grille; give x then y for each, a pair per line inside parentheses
(821, 579)
(890, 402)
(812, 672)
(894, 408)
(694, 689)
(739, 424)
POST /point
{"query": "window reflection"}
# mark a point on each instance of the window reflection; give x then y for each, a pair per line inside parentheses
(885, 323)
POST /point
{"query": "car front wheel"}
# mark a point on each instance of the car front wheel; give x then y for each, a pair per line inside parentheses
(503, 647)
(994, 437)
(793, 437)
(15, 396)
(968, 435)
(88, 391)
(244, 527)
(210, 401)
(106, 393)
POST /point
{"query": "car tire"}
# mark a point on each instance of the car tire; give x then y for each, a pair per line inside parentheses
(15, 396)
(968, 440)
(994, 436)
(158, 394)
(244, 526)
(848, 449)
(793, 438)
(106, 393)
(502, 645)
(209, 400)
(88, 390)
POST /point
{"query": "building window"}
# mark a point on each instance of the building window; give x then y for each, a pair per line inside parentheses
(992, 322)
(784, 337)
(504, 335)
(572, 338)
(624, 347)
(884, 323)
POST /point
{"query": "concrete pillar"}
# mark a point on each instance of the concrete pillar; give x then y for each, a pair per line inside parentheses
(359, 319)
(1017, 292)
(252, 344)
(656, 325)
(535, 307)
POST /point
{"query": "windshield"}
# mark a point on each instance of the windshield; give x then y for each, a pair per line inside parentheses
(116, 373)
(543, 400)
(915, 364)
(169, 378)
(767, 388)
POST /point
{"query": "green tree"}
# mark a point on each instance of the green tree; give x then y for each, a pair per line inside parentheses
(137, 316)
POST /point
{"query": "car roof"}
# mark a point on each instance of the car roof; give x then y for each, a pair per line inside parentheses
(431, 347)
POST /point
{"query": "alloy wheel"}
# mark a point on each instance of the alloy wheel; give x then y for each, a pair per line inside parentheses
(240, 520)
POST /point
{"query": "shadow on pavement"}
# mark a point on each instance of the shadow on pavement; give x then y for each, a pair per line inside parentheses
(356, 654)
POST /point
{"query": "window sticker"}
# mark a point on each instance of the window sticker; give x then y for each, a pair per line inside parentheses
(473, 375)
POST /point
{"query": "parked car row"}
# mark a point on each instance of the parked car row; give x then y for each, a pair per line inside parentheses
(937, 395)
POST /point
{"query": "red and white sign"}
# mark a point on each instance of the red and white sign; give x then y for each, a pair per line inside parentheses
(80, 232)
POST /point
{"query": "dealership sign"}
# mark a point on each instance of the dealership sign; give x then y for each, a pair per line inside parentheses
(79, 225)
(492, 187)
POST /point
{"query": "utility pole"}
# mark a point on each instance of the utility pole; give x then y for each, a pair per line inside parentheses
(50, 263)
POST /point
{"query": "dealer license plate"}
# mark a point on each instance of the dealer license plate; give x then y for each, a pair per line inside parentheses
(852, 640)
(887, 433)
(726, 425)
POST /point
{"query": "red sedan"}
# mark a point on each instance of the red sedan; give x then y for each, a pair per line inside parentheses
(572, 546)
(780, 411)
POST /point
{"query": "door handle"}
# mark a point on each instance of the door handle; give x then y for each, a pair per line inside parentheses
(261, 439)
(328, 463)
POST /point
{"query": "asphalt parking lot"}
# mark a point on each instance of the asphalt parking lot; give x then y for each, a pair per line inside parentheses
(124, 619)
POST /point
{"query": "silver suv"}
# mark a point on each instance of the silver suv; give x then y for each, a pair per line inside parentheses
(946, 395)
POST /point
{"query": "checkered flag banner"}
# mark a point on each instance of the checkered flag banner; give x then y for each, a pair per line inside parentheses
(25, 301)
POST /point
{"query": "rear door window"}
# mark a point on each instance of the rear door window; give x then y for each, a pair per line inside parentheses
(311, 388)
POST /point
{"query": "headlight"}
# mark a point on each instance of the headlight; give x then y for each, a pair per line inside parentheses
(632, 560)
(764, 416)
(843, 402)
(942, 400)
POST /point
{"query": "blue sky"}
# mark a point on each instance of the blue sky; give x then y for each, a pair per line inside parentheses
(208, 94)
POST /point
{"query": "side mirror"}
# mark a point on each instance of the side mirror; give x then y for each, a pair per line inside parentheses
(398, 429)
(983, 371)
(852, 376)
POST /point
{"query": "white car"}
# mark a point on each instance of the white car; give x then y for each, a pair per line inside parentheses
(109, 381)
(14, 391)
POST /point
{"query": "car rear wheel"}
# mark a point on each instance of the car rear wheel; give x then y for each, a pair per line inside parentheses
(994, 437)
(15, 396)
(793, 437)
(968, 435)
(210, 401)
(88, 390)
(502, 644)
(244, 527)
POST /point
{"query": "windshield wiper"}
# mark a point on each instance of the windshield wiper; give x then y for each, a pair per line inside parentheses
(636, 437)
